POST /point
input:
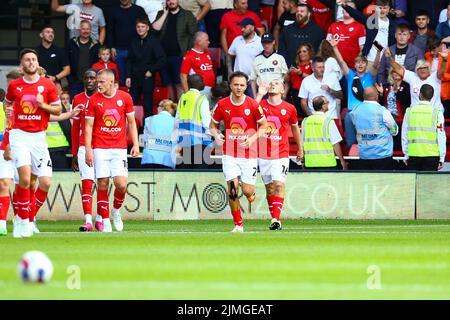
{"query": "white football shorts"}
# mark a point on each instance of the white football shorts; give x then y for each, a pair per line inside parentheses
(273, 169)
(246, 169)
(110, 163)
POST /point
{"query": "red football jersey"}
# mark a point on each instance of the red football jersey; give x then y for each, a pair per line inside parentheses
(275, 142)
(348, 36)
(81, 100)
(110, 123)
(27, 114)
(231, 21)
(241, 122)
(321, 14)
(196, 62)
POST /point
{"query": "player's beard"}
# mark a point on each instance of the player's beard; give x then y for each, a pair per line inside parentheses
(29, 71)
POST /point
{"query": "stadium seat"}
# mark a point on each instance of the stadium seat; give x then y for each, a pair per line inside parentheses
(139, 114)
(266, 14)
(158, 81)
(159, 94)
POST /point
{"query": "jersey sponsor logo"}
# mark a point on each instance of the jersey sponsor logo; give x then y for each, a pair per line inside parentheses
(262, 70)
(206, 66)
(28, 104)
(273, 128)
(111, 118)
(29, 117)
(237, 127)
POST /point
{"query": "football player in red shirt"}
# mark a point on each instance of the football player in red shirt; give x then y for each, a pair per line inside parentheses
(110, 113)
(87, 173)
(33, 99)
(273, 147)
(241, 116)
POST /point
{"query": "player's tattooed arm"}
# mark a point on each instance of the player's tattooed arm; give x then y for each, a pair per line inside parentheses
(54, 109)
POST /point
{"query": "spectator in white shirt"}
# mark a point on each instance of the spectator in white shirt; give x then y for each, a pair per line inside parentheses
(316, 85)
(423, 75)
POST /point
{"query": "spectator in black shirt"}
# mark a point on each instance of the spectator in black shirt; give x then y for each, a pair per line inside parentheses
(303, 30)
(52, 58)
(177, 28)
(83, 53)
(121, 30)
(145, 57)
(286, 18)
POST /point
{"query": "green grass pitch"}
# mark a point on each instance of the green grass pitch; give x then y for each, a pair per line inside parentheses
(308, 259)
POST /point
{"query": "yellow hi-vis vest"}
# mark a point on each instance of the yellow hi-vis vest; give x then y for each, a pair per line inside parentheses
(55, 136)
(190, 126)
(319, 150)
(2, 122)
(422, 121)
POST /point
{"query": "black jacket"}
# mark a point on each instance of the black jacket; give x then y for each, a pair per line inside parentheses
(144, 55)
(292, 35)
(73, 52)
(371, 33)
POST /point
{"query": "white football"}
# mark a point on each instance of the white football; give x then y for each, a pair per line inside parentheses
(35, 267)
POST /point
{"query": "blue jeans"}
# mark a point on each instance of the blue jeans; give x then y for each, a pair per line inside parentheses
(350, 131)
(121, 60)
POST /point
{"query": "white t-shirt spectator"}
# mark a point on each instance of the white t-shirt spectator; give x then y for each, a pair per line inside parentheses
(94, 15)
(382, 38)
(151, 7)
(332, 69)
(311, 88)
(221, 4)
(245, 53)
(268, 68)
(415, 84)
(443, 16)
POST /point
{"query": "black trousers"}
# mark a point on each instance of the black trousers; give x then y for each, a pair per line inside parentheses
(423, 163)
(145, 88)
(377, 164)
(59, 159)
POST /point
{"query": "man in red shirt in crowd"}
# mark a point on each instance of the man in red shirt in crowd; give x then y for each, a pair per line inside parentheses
(320, 13)
(110, 114)
(198, 61)
(230, 27)
(273, 147)
(351, 36)
(241, 116)
(87, 173)
(33, 99)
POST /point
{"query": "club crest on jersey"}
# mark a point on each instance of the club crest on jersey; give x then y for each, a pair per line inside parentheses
(283, 112)
(274, 62)
(119, 103)
(247, 112)
(40, 89)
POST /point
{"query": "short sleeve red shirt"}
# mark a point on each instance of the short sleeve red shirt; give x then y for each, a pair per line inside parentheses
(109, 114)
(241, 122)
(275, 142)
(348, 36)
(231, 21)
(195, 62)
(27, 114)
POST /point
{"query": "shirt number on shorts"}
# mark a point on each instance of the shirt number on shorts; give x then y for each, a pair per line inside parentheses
(284, 170)
(254, 172)
(125, 164)
(49, 163)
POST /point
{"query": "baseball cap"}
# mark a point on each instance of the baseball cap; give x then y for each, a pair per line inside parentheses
(267, 37)
(246, 22)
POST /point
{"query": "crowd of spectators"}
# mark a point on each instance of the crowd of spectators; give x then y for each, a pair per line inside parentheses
(327, 48)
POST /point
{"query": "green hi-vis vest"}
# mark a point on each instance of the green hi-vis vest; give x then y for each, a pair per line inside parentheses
(319, 150)
(55, 136)
(422, 121)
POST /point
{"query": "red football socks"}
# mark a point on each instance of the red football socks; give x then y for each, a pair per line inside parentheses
(119, 198)
(270, 204)
(86, 195)
(103, 203)
(41, 196)
(22, 201)
(277, 203)
(4, 207)
(33, 208)
(237, 217)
